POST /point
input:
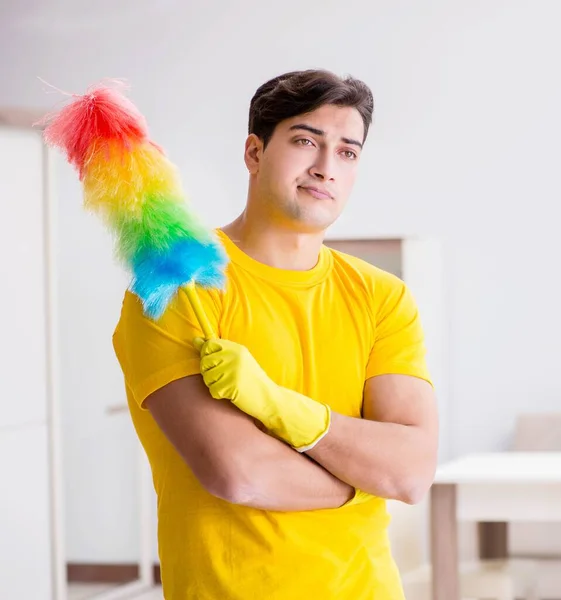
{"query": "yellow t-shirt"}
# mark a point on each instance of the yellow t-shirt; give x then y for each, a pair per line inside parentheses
(321, 332)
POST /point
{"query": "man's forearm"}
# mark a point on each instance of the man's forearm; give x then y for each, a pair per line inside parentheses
(235, 459)
(385, 459)
(276, 477)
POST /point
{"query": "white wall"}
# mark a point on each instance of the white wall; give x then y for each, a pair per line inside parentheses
(464, 148)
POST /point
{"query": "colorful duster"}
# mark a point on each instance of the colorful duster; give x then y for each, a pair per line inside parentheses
(136, 190)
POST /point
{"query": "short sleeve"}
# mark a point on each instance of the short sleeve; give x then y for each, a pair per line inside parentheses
(153, 353)
(399, 345)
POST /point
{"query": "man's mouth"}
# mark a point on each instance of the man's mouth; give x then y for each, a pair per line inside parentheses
(317, 192)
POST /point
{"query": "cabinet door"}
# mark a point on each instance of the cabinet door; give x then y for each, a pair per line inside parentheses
(22, 280)
(25, 552)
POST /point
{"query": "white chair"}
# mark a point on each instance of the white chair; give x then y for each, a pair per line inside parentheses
(481, 580)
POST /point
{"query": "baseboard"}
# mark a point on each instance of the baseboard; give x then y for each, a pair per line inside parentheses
(107, 573)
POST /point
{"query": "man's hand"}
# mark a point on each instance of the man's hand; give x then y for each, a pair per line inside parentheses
(231, 372)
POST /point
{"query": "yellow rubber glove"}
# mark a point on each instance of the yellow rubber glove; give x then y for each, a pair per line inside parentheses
(231, 372)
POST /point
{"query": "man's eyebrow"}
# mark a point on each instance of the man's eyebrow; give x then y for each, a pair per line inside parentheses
(352, 142)
(321, 133)
(308, 128)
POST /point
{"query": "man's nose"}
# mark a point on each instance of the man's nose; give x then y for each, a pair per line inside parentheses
(323, 168)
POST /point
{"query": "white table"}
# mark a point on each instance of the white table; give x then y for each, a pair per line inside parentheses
(494, 488)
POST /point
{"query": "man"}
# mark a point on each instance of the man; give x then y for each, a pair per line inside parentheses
(274, 448)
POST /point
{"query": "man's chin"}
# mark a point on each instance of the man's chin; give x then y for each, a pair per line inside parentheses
(314, 223)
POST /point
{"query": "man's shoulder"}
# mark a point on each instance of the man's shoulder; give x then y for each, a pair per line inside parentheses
(374, 277)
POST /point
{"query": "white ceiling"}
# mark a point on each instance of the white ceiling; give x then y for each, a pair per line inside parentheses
(58, 16)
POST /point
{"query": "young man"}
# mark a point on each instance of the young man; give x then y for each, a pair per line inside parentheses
(274, 448)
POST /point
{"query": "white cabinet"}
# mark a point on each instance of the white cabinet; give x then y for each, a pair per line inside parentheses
(101, 517)
(26, 561)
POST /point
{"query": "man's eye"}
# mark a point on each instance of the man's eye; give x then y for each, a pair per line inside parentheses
(304, 142)
(350, 154)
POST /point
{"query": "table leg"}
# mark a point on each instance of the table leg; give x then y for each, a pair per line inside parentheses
(444, 543)
(493, 540)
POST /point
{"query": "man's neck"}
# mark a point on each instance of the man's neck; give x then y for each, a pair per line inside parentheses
(275, 246)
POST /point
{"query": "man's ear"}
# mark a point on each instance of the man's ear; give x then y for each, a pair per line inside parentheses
(253, 153)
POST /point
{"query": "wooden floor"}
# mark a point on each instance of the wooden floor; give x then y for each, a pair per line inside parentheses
(549, 586)
(87, 591)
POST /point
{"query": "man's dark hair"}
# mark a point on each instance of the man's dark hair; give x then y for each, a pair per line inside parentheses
(301, 92)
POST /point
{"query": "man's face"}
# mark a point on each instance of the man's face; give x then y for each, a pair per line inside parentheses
(306, 173)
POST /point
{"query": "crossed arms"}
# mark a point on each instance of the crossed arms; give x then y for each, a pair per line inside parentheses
(390, 453)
